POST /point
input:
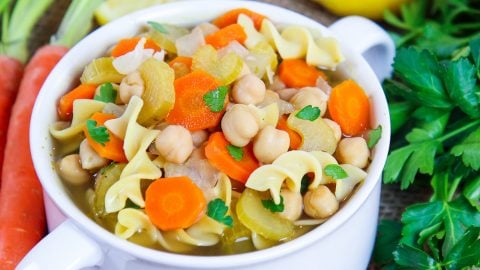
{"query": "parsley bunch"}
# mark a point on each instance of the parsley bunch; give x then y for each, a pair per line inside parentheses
(434, 100)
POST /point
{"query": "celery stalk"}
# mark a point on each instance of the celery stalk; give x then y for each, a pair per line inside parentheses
(76, 23)
(4, 5)
(18, 27)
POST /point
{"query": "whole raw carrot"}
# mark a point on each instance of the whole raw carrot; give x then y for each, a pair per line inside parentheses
(21, 199)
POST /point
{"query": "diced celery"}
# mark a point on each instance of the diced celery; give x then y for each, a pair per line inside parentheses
(101, 71)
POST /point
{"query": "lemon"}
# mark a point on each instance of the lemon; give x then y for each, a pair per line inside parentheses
(113, 9)
(372, 9)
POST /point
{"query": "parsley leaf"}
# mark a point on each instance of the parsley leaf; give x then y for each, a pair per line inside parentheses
(374, 136)
(414, 258)
(309, 113)
(469, 150)
(466, 252)
(108, 94)
(472, 192)
(98, 134)
(335, 171)
(388, 237)
(304, 184)
(270, 205)
(217, 210)
(215, 99)
(235, 152)
(130, 204)
(158, 27)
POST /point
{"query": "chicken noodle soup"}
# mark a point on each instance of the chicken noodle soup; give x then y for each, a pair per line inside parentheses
(225, 138)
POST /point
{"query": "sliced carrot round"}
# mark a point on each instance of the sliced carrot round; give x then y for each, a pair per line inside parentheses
(350, 108)
(296, 73)
(127, 45)
(226, 35)
(65, 105)
(174, 203)
(231, 17)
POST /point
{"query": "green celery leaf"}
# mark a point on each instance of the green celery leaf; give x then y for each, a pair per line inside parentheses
(108, 94)
(218, 210)
(466, 251)
(374, 136)
(469, 150)
(413, 258)
(335, 171)
(98, 134)
(472, 192)
(460, 82)
(421, 71)
(235, 152)
(270, 205)
(309, 113)
(388, 237)
(215, 99)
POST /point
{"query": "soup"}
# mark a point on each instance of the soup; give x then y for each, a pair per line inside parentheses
(225, 138)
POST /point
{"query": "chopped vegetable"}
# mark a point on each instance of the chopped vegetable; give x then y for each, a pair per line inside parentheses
(127, 45)
(309, 113)
(350, 108)
(182, 65)
(215, 99)
(225, 69)
(295, 138)
(101, 71)
(105, 143)
(159, 94)
(65, 105)
(274, 208)
(374, 136)
(217, 210)
(235, 152)
(257, 218)
(296, 73)
(108, 94)
(174, 203)
(158, 27)
(113, 9)
(218, 155)
(190, 109)
(226, 35)
(231, 17)
(166, 36)
(335, 171)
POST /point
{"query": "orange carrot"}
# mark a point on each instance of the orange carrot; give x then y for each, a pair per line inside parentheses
(349, 107)
(174, 203)
(226, 35)
(190, 109)
(295, 138)
(113, 148)
(65, 105)
(232, 16)
(127, 45)
(296, 73)
(182, 65)
(22, 212)
(218, 155)
(181, 60)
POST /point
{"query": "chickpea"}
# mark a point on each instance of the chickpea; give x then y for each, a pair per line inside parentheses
(131, 85)
(277, 84)
(240, 124)
(320, 202)
(175, 144)
(70, 170)
(270, 143)
(249, 89)
(287, 93)
(293, 202)
(89, 159)
(199, 137)
(310, 96)
(335, 127)
(353, 151)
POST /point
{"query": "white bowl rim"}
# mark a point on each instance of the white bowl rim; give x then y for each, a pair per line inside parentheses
(69, 209)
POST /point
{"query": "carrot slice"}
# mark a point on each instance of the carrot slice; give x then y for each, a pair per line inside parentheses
(174, 203)
(190, 110)
(218, 155)
(296, 73)
(231, 17)
(113, 148)
(226, 35)
(127, 45)
(295, 138)
(182, 65)
(349, 107)
(65, 105)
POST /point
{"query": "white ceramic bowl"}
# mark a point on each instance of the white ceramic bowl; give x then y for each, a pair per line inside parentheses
(345, 241)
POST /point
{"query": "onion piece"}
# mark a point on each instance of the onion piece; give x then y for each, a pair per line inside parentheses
(189, 44)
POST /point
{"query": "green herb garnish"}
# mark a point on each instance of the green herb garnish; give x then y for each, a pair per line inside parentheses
(335, 171)
(304, 185)
(374, 136)
(158, 27)
(270, 205)
(217, 210)
(215, 99)
(235, 152)
(309, 113)
(108, 94)
(98, 134)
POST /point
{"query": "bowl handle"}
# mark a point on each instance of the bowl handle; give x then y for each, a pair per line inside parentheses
(368, 39)
(66, 247)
